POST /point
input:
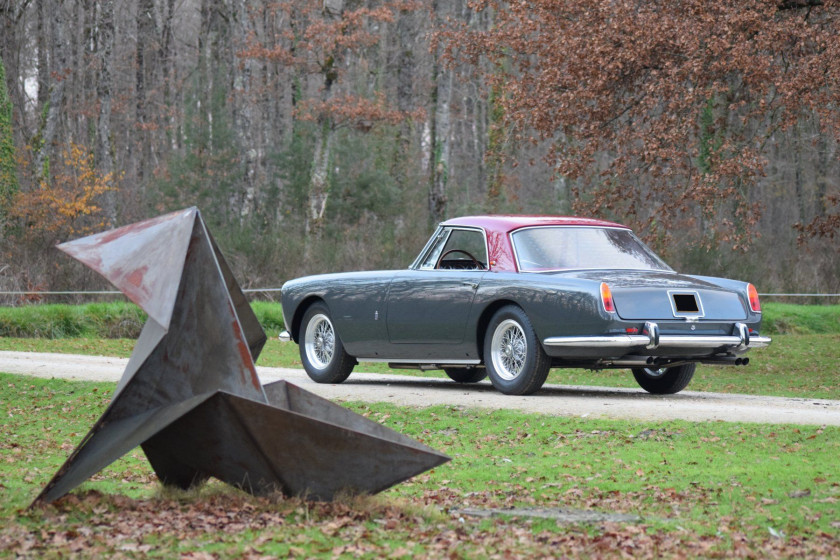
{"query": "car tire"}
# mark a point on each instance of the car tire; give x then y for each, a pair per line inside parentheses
(321, 350)
(664, 381)
(466, 375)
(515, 360)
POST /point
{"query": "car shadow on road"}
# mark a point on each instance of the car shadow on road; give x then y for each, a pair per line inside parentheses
(485, 387)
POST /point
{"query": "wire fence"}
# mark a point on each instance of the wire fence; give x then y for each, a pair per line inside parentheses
(270, 290)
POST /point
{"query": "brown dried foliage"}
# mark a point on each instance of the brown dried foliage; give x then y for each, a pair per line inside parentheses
(660, 111)
(91, 525)
(324, 40)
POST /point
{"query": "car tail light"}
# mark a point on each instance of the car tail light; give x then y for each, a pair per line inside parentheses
(607, 299)
(755, 305)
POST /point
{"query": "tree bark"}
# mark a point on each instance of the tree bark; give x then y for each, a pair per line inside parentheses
(167, 65)
(104, 149)
(10, 51)
(324, 136)
(441, 145)
(58, 71)
(319, 181)
(144, 75)
(243, 199)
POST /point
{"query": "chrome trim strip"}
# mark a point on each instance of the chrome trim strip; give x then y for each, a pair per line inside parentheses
(743, 333)
(652, 331)
(665, 341)
(760, 341)
(426, 361)
(699, 341)
(609, 341)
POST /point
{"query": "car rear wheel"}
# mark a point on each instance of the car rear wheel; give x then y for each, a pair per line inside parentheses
(664, 381)
(466, 375)
(321, 350)
(515, 360)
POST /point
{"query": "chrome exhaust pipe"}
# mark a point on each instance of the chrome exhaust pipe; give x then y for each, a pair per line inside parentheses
(726, 361)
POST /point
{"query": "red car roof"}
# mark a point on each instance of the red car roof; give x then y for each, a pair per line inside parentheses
(506, 224)
(498, 228)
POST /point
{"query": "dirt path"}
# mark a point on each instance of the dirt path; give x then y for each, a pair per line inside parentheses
(561, 400)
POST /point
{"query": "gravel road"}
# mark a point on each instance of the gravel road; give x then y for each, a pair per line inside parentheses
(561, 400)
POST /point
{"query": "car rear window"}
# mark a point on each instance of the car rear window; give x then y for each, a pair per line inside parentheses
(541, 249)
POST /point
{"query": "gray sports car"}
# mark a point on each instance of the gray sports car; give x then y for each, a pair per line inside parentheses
(513, 296)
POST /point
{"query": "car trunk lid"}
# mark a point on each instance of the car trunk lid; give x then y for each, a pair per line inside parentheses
(662, 295)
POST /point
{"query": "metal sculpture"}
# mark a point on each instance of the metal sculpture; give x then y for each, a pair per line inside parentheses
(190, 395)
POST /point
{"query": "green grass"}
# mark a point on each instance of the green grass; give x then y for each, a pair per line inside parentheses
(789, 318)
(101, 320)
(702, 489)
(124, 320)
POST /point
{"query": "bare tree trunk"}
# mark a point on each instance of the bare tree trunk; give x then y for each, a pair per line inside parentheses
(826, 152)
(104, 149)
(441, 145)
(797, 172)
(42, 61)
(406, 63)
(10, 51)
(243, 200)
(324, 135)
(144, 72)
(319, 181)
(166, 59)
(81, 100)
(58, 68)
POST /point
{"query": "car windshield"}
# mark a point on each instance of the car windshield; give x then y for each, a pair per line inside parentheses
(542, 249)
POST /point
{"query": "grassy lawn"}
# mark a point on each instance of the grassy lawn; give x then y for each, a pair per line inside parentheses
(700, 489)
(795, 365)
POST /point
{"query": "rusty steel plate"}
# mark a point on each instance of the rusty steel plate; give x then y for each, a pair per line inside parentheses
(190, 395)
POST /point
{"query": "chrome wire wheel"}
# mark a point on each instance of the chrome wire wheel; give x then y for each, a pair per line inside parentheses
(515, 360)
(509, 349)
(319, 341)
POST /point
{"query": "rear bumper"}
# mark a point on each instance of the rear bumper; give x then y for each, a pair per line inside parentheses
(650, 339)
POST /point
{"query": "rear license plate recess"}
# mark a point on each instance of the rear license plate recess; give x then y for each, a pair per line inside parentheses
(686, 304)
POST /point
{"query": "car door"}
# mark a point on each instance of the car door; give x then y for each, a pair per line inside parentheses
(430, 304)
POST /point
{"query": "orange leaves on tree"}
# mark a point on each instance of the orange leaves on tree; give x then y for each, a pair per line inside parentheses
(65, 204)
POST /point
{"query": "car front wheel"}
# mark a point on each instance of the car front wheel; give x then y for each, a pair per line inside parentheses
(664, 381)
(515, 360)
(321, 350)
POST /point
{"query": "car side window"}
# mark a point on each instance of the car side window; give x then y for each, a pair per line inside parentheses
(461, 249)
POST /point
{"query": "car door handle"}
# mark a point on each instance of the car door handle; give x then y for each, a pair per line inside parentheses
(472, 285)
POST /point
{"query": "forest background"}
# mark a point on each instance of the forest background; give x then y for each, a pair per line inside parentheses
(334, 135)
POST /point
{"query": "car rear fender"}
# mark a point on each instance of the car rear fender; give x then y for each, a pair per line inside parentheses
(553, 305)
(484, 321)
